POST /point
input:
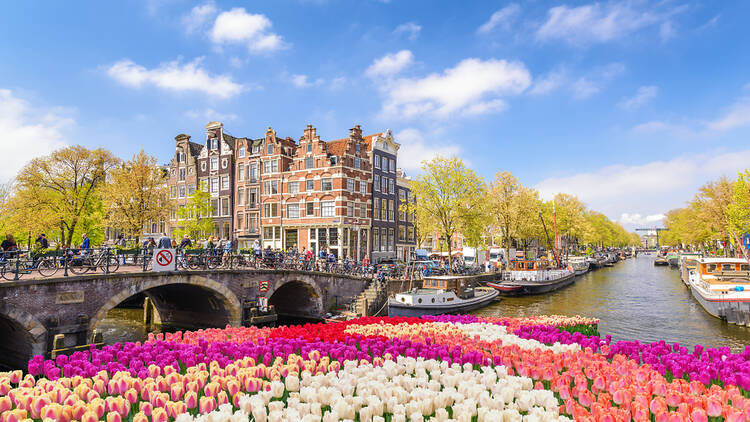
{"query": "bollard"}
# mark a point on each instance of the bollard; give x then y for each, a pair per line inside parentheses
(106, 265)
(65, 261)
(18, 258)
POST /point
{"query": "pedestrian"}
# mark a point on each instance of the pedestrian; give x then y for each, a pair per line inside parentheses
(256, 249)
(185, 242)
(120, 241)
(210, 246)
(227, 255)
(164, 242)
(86, 242)
(42, 241)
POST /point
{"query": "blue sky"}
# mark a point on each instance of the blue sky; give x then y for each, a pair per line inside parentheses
(629, 105)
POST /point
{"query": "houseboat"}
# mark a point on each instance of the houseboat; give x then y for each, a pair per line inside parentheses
(661, 260)
(530, 277)
(722, 287)
(441, 295)
(687, 263)
(673, 258)
(580, 264)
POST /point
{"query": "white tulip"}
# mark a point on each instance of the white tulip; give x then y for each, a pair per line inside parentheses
(416, 417)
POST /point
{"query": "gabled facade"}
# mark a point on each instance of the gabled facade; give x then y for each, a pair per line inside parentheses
(182, 177)
(276, 155)
(215, 172)
(247, 195)
(405, 236)
(383, 151)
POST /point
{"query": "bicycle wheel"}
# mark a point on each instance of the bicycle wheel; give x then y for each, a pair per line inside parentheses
(114, 264)
(213, 262)
(80, 266)
(48, 267)
(6, 272)
(194, 262)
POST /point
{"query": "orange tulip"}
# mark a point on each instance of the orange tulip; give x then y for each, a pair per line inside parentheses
(114, 417)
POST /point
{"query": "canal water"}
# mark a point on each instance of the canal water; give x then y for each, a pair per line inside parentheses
(634, 300)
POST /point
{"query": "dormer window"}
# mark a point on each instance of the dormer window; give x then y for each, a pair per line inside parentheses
(256, 149)
(269, 149)
(242, 152)
(213, 143)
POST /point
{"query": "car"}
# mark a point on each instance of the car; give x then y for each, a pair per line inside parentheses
(391, 266)
(428, 268)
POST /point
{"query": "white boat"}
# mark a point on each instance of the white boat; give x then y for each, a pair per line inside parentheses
(722, 287)
(688, 261)
(441, 295)
(531, 277)
(580, 264)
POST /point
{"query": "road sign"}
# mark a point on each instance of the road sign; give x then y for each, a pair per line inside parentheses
(163, 260)
(263, 286)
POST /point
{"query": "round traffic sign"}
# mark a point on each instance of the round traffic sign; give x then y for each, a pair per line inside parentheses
(164, 258)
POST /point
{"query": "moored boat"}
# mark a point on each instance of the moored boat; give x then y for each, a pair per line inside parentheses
(673, 258)
(530, 277)
(661, 260)
(580, 264)
(441, 295)
(722, 287)
(687, 263)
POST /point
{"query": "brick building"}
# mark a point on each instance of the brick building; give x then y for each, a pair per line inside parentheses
(183, 176)
(215, 172)
(383, 151)
(247, 197)
(406, 237)
(276, 155)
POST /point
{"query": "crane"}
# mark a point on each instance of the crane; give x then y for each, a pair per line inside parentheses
(655, 229)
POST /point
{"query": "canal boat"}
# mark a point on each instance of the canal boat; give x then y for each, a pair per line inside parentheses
(661, 260)
(687, 263)
(531, 277)
(580, 264)
(441, 295)
(673, 258)
(722, 287)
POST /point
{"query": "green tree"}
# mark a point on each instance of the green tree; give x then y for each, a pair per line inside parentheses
(512, 209)
(448, 196)
(195, 217)
(61, 191)
(136, 193)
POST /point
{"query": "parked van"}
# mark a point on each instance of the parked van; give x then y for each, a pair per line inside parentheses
(473, 257)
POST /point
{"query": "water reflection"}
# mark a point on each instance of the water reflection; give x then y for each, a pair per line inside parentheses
(634, 300)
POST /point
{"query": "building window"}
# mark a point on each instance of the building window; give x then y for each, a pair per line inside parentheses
(377, 161)
(224, 163)
(402, 195)
(391, 211)
(182, 191)
(256, 148)
(241, 152)
(350, 209)
(214, 184)
(271, 210)
(376, 239)
(411, 234)
(333, 236)
(326, 184)
(215, 163)
(363, 210)
(240, 196)
(270, 187)
(309, 147)
(240, 220)
(309, 163)
(401, 234)
(292, 210)
(384, 185)
(269, 149)
(224, 182)
(391, 186)
(182, 175)
(363, 188)
(357, 162)
(271, 166)
(225, 211)
(376, 210)
(252, 223)
(203, 166)
(310, 185)
(214, 207)
(383, 240)
(327, 209)
(310, 209)
(253, 173)
(191, 189)
(356, 146)
(240, 171)
(294, 187)
(391, 240)
(213, 143)
(350, 185)
(376, 183)
(252, 197)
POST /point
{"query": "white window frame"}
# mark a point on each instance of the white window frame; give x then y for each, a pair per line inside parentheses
(327, 208)
(290, 212)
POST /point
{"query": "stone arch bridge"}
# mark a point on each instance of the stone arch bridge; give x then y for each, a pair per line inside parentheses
(34, 312)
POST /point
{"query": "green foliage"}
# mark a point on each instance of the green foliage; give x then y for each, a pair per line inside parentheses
(195, 217)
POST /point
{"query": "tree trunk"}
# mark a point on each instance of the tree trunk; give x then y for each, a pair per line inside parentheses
(450, 256)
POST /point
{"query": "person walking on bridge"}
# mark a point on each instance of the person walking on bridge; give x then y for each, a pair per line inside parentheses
(164, 242)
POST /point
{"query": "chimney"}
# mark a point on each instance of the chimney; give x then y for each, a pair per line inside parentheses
(182, 137)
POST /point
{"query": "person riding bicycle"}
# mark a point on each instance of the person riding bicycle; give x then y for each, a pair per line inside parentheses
(185, 242)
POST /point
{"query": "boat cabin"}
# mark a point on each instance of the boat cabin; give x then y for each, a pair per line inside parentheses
(723, 269)
(529, 265)
(458, 285)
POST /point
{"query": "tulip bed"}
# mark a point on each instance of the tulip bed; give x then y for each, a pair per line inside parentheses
(443, 368)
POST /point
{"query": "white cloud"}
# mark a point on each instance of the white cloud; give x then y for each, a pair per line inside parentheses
(28, 132)
(584, 88)
(599, 23)
(502, 19)
(472, 86)
(738, 115)
(239, 27)
(641, 220)
(173, 76)
(548, 83)
(667, 31)
(301, 81)
(414, 149)
(646, 189)
(411, 30)
(338, 83)
(210, 115)
(198, 17)
(390, 64)
(641, 97)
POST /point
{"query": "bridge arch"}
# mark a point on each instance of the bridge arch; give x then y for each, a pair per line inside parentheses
(297, 297)
(22, 336)
(191, 301)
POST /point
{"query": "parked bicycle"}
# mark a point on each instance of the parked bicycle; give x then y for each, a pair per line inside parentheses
(88, 261)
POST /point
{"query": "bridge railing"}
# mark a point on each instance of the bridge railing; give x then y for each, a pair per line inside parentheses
(76, 261)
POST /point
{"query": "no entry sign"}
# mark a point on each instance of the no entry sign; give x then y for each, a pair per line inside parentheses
(164, 260)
